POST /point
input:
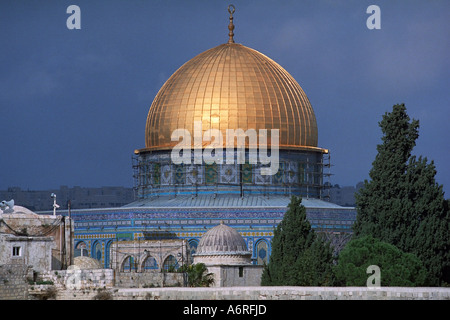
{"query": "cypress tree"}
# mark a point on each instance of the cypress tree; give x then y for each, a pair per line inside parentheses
(298, 256)
(402, 204)
(383, 193)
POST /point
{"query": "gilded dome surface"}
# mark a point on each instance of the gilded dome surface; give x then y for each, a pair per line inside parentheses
(222, 239)
(232, 87)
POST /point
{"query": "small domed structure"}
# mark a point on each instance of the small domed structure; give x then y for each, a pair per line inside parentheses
(20, 212)
(222, 245)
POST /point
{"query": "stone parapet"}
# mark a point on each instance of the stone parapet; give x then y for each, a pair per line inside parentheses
(284, 293)
(149, 279)
(80, 279)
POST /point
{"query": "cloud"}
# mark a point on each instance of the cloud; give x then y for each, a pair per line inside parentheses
(90, 60)
(410, 57)
(40, 82)
(295, 34)
(28, 82)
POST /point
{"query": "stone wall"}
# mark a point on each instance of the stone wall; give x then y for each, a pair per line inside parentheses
(14, 282)
(85, 279)
(284, 293)
(257, 293)
(236, 276)
(72, 284)
(148, 279)
(80, 279)
(52, 292)
(90, 284)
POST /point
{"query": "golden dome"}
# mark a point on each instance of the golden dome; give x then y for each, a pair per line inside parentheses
(232, 87)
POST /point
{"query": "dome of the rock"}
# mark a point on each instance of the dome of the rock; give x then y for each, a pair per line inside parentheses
(232, 86)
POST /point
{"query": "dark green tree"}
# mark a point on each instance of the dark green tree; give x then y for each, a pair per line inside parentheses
(384, 192)
(299, 257)
(397, 268)
(402, 204)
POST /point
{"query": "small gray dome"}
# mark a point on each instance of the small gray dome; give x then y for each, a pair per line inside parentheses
(222, 239)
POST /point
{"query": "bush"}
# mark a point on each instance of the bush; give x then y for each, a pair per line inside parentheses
(197, 275)
(49, 294)
(397, 268)
(103, 295)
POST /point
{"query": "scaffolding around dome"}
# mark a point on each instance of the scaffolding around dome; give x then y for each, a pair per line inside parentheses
(299, 173)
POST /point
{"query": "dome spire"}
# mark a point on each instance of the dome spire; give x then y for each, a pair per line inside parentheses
(231, 10)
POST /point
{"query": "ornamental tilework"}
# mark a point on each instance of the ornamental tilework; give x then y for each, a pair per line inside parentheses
(180, 175)
(211, 173)
(156, 173)
(247, 173)
(302, 176)
(301, 171)
(278, 177)
(194, 174)
(229, 174)
(291, 172)
(190, 222)
(166, 174)
(262, 179)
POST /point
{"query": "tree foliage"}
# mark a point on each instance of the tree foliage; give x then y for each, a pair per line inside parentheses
(197, 275)
(299, 257)
(402, 204)
(397, 268)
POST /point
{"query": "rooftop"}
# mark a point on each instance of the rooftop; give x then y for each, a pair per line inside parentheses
(228, 201)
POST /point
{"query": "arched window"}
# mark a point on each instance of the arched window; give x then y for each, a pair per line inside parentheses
(170, 264)
(129, 264)
(108, 253)
(150, 264)
(262, 252)
(80, 249)
(96, 251)
(193, 243)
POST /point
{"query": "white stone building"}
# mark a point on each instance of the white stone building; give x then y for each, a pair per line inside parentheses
(41, 242)
(149, 255)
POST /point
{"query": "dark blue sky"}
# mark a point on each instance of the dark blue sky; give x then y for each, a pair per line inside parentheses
(74, 102)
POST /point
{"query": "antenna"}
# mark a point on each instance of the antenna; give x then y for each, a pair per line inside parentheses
(55, 206)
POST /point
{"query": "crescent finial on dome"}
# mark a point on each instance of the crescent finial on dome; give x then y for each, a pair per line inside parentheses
(231, 10)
